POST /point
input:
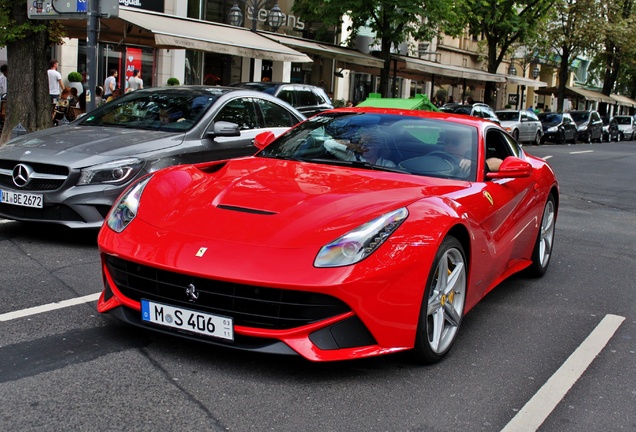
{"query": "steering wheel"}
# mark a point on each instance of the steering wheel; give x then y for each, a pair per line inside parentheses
(451, 158)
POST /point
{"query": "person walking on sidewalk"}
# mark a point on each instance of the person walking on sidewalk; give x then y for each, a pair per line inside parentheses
(56, 85)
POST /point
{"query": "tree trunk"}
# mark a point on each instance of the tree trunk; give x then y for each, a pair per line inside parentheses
(28, 61)
(385, 74)
(563, 78)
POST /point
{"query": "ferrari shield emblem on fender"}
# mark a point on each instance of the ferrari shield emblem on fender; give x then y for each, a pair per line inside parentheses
(489, 197)
(201, 252)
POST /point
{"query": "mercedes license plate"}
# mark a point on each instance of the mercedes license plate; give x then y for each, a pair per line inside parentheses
(21, 199)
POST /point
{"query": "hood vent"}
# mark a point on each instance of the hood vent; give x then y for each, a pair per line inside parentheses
(245, 210)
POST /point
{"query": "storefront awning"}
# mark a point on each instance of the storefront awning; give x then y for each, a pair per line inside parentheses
(169, 31)
(528, 82)
(576, 92)
(433, 68)
(338, 53)
(624, 100)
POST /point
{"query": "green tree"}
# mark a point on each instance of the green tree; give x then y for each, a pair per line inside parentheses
(392, 21)
(616, 59)
(573, 30)
(28, 53)
(502, 23)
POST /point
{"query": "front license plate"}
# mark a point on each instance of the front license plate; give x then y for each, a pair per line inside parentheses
(186, 319)
(21, 199)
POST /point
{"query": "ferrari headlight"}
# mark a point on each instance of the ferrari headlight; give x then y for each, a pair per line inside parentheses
(116, 172)
(361, 242)
(125, 210)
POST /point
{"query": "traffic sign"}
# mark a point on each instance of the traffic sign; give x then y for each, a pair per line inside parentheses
(70, 9)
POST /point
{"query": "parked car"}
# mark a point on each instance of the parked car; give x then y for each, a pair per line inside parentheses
(558, 127)
(610, 129)
(307, 99)
(71, 175)
(523, 125)
(476, 110)
(354, 234)
(589, 125)
(626, 125)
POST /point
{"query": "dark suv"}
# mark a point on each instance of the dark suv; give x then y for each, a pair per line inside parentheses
(589, 125)
(306, 98)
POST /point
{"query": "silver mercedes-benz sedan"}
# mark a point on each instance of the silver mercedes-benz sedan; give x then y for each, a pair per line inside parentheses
(72, 174)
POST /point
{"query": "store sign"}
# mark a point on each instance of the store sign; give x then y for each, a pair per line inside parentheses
(513, 99)
(151, 5)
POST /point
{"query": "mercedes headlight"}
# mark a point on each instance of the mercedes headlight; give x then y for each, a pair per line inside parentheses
(361, 242)
(116, 172)
(126, 208)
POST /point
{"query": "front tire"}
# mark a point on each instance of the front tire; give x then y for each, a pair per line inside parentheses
(443, 304)
(545, 239)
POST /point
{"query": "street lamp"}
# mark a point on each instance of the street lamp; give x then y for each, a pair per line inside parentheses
(525, 62)
(275, 18)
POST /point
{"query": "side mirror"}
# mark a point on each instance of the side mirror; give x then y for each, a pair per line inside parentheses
(224, 129)
(512, 167)
(263, 139)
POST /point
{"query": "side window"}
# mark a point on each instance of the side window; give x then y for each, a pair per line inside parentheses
(596, 117)
(288, 96)
(239, 111)
(275, 115)
(306, 97)
(477, 112)
(532, 116)
(498, 145)
(320, 99)
(524, 116)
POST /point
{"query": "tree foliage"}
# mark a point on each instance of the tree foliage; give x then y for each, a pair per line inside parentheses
(392, 21)
(503, 23)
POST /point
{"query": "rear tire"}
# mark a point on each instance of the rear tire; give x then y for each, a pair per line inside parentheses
(537, 139)
(545, 239)
(443, 303)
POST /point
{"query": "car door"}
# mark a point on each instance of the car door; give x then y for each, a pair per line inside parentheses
(524, 134)
(505, 211)
(596, 125)
(240, 111)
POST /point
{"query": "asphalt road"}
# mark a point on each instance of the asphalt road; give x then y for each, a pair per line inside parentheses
(65, 367)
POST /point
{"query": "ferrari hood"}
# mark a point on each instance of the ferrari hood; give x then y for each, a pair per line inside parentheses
(67, 144)
(277, 203)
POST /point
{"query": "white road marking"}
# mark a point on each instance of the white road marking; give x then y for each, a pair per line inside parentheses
(48, 307)
(582, 151)
(534, 413)
(547, 157)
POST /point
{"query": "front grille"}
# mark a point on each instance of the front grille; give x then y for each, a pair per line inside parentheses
(248, 305)
(34, 184)
(48, 213)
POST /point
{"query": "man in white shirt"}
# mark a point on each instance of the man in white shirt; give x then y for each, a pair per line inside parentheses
(110, 84)
(135, 82)
(55, 81)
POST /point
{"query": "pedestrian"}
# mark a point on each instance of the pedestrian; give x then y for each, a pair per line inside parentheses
(115, 95)
(99, 92)
(3, 80)
(135, 82)
(56, 85)
(61, 110)
(73, 99)
(349, 104)
(110, 84)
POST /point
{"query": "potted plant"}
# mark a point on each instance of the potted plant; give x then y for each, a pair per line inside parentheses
(173, 81)
(75, 80)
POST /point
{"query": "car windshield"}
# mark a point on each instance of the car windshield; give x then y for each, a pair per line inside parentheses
(623, 120)
(580, 116)
(508, 115)
(550, 117)
(415, 145)
(164, 110)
